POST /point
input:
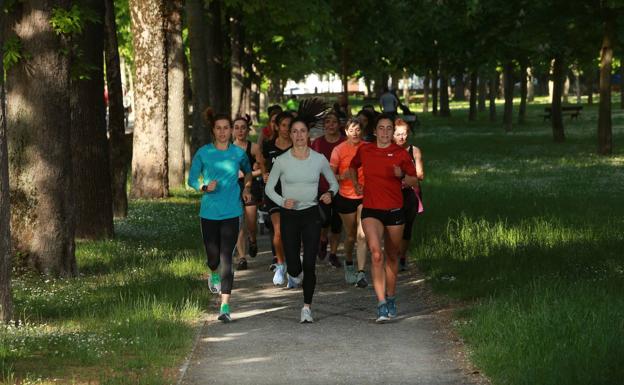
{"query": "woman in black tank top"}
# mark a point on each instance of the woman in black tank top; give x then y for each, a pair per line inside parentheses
(240, 133)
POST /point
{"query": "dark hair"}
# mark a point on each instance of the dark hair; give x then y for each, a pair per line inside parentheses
(281, 116)
(274, 109)
(245, 118)
(353, 121)
(333, 113)
(382, 116)
(368, 107)
(298, 120)
(210, 117)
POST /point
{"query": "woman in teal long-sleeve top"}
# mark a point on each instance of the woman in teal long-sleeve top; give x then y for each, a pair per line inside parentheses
(214, 171)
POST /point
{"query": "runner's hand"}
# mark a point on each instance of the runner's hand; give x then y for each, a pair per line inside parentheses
(289, 203)
(398, 172)
(246, 195)
(326, 198)
(265, 177)
(210, 187)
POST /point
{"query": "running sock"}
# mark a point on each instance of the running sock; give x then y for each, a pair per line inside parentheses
(349, 263)
(382, 302)
(225, 308)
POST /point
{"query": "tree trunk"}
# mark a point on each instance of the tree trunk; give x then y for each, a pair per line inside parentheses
(523, 94)
(394, 82)
(188, 132)
(472, 114)
(557, 91)
(90, 155)
(226, 70)
(6, 301)
(214, 51)
(482, 94)
(236, 56)
(199, 70)
(605, 138)
(590, 87)
(434, 91)
(149, 154)
(530, 87)
(406, 91)
(445, 109)
(621, 84)
(175, 93)
(426, 82)
(492, 92)
(460, 87)
(509, 83)
(120, 150)
(39, 126)
(344, 72)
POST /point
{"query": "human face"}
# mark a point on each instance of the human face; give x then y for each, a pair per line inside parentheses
(282, 130)
(299, 134)
(272, 122)
(384, 132)
(331, 125)
(241, 130)
(401, 135)
(354, 133)
(222, 131)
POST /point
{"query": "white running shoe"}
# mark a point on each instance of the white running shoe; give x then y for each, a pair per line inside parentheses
(214, 283)
(306, 315)
(350, 274)
(278, 277)
(293, 282)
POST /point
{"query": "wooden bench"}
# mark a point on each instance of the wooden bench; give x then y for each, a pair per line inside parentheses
(573, 111)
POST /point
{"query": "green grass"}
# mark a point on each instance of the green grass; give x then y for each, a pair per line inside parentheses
(530, 233)
(130, 316)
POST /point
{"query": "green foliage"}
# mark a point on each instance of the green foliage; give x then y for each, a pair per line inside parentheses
(11, 52)
(529, 233)
(71, 21)
(130, 315)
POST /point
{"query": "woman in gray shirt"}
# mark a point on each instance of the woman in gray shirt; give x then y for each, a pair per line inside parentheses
(298, 170)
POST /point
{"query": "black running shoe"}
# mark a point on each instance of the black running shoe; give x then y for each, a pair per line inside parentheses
(322, 253)
(242, 265)
(333, 260)
(402, 264)
(253, 249)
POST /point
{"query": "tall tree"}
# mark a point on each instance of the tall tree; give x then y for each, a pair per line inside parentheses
(6, 301)
(90, 156)
(445, 109)
(199, 71)
(605, 136)
(39, 125)
(523, 92)
(120, 147)
(482, 91)
(426, 82)
(492, 92)
(149, 154)
(434, 91)
(175, 92)
(217, 82)
(555, 109)
(508, 93)
(236, 59)
(472, 115)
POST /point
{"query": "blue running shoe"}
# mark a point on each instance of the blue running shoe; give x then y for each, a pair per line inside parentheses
(382, 313)
(392, 308)
(293, 282)
(280, 272)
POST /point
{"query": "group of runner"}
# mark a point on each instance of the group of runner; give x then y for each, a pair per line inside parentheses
(361, 175)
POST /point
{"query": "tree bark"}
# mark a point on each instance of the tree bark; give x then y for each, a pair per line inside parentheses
(406, 91)
(6, 299)
(621, 83)
(90, 152)
(492, 92)
(523, 94)
(557, 92)
(434, 92)
(605, 136)
(445, 109)
(530, 87)
(590, 87)
(236, 56)
(120, 149)
(426, 83)
(175, 92)
(472, 114)
(39, 126)
(149, 154)
(344, 72)
(460, 87)
(508, 92)
(217, 93)
(199, 70)
(482, 94)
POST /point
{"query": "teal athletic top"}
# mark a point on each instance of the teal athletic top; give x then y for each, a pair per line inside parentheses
(221, 165)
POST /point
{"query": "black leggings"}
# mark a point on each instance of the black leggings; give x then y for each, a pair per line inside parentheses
(220, 240)
(301, 226)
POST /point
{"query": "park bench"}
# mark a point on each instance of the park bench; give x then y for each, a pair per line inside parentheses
(573, 111)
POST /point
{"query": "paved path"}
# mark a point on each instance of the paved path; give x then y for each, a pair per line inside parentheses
(267, 345)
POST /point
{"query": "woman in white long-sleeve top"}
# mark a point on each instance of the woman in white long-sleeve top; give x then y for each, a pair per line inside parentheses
(299, 170)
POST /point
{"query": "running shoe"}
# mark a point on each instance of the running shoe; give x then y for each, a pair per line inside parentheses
(214, 282)
(273, 264)
(253, 249)
(350, 274)
(333, 260)
(382, 313)
(392, 308)
(361, 281)
(402, 264)
(224, 313)
(242, 264)
(322, 253)
(278, 277)
(306, 315)
(293, 282)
